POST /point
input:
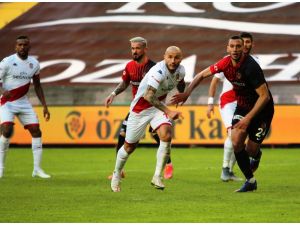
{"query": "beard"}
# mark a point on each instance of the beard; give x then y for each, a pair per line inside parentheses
(23, 54)
(137, 57)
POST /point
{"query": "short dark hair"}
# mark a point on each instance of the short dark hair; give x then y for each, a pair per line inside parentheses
(236, 37)
(21, 37)
(246, 35)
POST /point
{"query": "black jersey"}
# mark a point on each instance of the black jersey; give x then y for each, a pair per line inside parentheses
(245, 77)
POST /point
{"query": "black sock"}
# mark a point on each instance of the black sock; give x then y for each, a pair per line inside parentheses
(169, 160)
(155, 136)
(243, 161)
(121, 141)
(258, 155)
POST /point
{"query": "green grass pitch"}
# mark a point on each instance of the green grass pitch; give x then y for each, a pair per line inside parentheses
(80, 192)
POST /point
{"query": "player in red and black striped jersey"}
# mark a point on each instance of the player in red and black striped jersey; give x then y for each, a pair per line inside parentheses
(132, 75)
(255, 107)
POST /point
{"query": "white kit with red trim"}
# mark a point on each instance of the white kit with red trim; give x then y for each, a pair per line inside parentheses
(161, 79)
(16, 75)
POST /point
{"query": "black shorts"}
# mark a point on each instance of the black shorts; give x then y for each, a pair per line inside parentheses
(260, 124)
(124, 126)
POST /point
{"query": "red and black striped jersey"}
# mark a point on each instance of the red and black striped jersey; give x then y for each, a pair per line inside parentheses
(134, 73)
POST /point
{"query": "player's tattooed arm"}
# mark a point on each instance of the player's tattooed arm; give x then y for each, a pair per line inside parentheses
(121, 87)
(153, 100)
(181, 86)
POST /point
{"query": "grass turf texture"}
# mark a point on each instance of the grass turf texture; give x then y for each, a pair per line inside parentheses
(80, 192)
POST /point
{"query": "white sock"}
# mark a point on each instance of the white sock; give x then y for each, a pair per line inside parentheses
(228, 151)
(121, 159)
(37, 151)
(252, 180)
(162, 155)
(4, 144)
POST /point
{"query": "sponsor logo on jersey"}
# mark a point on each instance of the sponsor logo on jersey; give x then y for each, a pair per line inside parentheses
(241, 84)
(216, 68)
(23, 75)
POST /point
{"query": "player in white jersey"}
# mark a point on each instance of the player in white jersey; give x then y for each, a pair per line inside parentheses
(148, 107)
(16, 73)
(227, 105)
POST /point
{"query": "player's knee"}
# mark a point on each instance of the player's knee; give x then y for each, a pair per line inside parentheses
(35, 132)
(252, 148)
(166, 137)
(237, 145)
(7, 131)
(129, 148)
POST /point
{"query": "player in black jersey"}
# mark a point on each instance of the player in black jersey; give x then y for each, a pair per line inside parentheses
(252, 117)
(255, 107)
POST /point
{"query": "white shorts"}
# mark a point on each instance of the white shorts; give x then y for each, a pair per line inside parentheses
(20, 108)
(227, 113)
(137, 123)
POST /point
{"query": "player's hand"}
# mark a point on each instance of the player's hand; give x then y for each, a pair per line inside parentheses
(174, 115)
(46, 114)
(210, 110)
(179, 97)
(109, 100)
(242, 124)
(6, 94)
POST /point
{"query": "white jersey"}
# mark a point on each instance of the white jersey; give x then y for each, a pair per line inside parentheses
(161, 79)
(228, 95)
(16, 75)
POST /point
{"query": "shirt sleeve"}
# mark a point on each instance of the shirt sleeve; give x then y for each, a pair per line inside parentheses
(37, 72)
(182, 74)
(3, 68)
(155, 78)
(218, 67)
(126, 75)
(220, 76)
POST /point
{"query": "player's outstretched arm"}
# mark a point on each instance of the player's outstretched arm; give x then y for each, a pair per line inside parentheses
(182, 97)
(40, 94)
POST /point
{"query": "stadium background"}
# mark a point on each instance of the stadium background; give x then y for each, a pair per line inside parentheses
(83, 48)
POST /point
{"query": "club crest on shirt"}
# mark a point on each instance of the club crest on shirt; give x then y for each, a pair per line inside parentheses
(30, 65)
(216, 68)
(238, 75)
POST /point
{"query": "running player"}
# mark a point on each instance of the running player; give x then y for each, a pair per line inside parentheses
(134, 72)
(148, 107)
